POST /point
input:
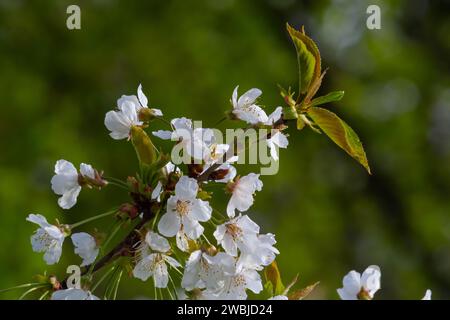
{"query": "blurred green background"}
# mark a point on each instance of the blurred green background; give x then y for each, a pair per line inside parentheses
(329, 216)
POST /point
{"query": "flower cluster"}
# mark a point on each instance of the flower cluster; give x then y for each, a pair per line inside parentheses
(214, 255)
(177, 238)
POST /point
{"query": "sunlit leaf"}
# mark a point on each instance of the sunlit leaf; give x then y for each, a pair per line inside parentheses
(340, 133)
(308, 58)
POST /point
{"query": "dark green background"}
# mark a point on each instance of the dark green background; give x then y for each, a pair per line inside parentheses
(328, 214)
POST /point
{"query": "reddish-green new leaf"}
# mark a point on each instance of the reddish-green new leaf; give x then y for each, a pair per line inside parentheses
(340, 133)
(308, 58)
(302, 293)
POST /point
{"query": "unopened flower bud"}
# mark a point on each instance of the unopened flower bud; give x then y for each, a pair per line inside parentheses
(133, 184)
(143, 145)
(129, 210)
(56, 285)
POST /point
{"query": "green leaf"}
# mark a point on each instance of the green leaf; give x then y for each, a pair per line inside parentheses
(341, 133)
(330, 97)
(273, 276)
(308, 58)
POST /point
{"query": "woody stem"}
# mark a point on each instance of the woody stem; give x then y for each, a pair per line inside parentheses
(120, 249)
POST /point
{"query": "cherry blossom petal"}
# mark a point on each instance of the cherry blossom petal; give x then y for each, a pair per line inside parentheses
(156, 242)
(186, 188)
(169, 224)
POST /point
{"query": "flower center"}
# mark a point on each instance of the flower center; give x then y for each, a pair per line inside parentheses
(46, 240)
(364, 295)
(239, 281)
(234, 230)
(156, 263)
(182, 207)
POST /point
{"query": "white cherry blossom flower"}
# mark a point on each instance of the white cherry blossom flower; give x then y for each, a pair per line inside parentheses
(120, 121)
(194, 141)
(238, 233)
(242, 193)
(86, 247)
(184, 211)
(154, 263)
(259, 252)
(48, 238)
(274, 116)
(73, 294)
(427, 295)
(276, 140)
(205, 271)
(363, 287)
(66, 182)
(236, 285)
(245, 108)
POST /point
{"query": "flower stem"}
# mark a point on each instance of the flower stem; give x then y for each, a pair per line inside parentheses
(104, 246)
(165, 121)
(44, 295)
(77, 224)
(116, 182)
(20, 286)
(32, 290)
(103, 278)
(118, 185)
(117, 285)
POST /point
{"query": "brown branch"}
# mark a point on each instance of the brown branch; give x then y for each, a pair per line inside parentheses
(121, 249)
